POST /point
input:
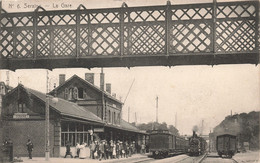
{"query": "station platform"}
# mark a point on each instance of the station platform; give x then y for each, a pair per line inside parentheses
(77, 160)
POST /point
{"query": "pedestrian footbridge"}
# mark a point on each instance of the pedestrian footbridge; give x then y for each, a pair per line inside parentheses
(167, 35)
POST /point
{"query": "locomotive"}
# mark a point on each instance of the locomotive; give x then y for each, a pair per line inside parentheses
(197, 145)
(226, 145)
(162, 143)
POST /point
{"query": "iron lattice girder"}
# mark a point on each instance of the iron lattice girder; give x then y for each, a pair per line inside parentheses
(221, 33)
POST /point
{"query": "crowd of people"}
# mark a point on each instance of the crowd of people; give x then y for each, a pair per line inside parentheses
(104, 150)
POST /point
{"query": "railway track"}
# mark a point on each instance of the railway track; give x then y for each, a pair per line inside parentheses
(234, 160)
(143, 160)
(131, 160)
(182, 159)
(204, 159)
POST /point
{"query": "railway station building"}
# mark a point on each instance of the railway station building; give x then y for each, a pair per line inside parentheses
(79, 112)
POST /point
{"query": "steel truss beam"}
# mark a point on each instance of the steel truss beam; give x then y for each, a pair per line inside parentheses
(170, 35)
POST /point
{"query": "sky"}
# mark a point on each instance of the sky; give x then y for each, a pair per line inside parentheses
(193, 93)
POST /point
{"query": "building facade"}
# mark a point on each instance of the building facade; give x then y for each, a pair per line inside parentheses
(79, 112)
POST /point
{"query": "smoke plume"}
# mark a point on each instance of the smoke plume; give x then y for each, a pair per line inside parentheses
(195, 128)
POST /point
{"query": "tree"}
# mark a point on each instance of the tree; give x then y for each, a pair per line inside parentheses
(158, 126)
(244, 126)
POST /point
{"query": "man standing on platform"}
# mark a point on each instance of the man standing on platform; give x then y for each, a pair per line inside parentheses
(29, 148)
(102, 150)
(68, 149)
(92, 149)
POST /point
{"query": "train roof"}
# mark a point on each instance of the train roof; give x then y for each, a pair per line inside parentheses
(231, 135)
(166, 132)
(159, 131)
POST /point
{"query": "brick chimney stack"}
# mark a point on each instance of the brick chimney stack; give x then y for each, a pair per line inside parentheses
(108, 87)
(89, 77)
(102, 80)
(114, 95)
(61, 79)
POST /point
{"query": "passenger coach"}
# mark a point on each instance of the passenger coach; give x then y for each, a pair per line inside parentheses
(163, 143)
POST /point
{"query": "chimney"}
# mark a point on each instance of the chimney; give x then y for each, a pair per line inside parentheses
(114, 95)
(108, 87)
(61, 79)
(89, 77)
(102, 80)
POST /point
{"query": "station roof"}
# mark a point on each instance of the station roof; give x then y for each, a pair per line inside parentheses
(126, 126)
(61, 106)
(89, 84)
(67, 108)
(71, 109)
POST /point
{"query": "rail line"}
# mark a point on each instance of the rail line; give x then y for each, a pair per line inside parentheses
(143, 160)
(182, 159)
(206, 155)
(234, 160)
(203, 158)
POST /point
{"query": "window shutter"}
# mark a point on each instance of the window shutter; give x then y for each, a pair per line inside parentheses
(66, 93)
(84, 93)
(75, 93)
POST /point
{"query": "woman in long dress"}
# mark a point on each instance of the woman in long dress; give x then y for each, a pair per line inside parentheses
(83, 151)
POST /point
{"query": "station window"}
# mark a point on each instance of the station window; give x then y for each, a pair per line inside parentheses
(75, 93)
(109, 116)
(21, 107)
(2, 90)
(114, 118)
(70, 96)
(74, 132)
(80, 93)
(118, 118)
(66, 93)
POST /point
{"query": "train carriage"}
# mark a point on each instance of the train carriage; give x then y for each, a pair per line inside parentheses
(163, 143)
(226, 145)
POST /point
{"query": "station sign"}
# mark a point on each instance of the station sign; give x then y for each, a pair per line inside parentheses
(98, 129)
(21, 116)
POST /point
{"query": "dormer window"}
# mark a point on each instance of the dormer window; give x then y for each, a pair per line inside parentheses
(75, 93)
(80, 93)
(70, 97)
(21, 107)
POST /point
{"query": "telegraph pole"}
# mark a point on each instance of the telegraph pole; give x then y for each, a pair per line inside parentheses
(135, 118)
(47, 127)
(176, 120)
